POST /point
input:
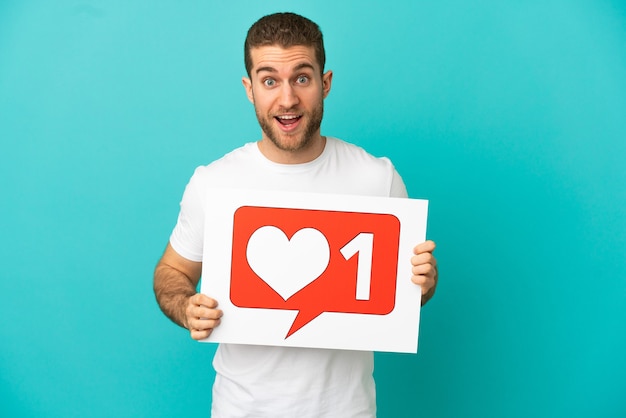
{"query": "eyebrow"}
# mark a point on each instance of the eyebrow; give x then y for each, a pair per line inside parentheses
(296, 68)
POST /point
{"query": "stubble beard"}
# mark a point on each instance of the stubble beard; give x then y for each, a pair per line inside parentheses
(305, 138)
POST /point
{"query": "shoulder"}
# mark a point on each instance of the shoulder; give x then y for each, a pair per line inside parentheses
(354, 153)
(227, 164)
(360, 171)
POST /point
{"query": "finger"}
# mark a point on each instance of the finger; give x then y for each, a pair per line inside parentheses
(418, 279)
(425, 282)
(423, 258)
(203, 300)
(199, 334)
(424, 247)
(202, 324)
(423, 270)
(203, 312)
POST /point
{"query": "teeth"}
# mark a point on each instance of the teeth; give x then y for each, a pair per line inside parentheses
(288, 117)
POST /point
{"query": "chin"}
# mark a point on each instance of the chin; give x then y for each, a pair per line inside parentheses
(289, 142)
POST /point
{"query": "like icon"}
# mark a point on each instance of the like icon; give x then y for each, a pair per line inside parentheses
(314, 261)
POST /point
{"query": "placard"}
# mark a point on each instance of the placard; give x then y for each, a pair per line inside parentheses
(313, 270)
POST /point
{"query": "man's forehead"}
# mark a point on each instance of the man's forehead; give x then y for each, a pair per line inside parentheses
(274, 56)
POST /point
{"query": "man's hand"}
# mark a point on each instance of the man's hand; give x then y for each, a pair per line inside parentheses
(175, 283)
(425, 269)
(201, 316)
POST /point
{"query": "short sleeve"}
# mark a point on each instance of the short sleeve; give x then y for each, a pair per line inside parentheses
(398, 189)
(187, 237)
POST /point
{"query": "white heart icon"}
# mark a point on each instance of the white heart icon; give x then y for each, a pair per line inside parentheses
(288, 265)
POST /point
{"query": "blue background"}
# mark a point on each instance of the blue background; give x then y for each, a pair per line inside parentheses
(508, 116)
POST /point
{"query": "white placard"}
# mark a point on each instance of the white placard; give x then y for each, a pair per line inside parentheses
(313, 270)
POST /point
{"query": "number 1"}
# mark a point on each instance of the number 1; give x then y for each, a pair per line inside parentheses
(362, 244)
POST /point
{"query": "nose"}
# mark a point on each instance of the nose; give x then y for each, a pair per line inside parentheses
(288, 97)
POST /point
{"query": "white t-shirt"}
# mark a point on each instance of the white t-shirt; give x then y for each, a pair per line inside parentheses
(262, 381)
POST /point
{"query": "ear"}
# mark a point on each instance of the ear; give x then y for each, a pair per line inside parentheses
(327, 79)
(247, 84)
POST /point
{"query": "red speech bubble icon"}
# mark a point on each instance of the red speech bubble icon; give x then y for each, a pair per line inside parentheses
(314, 261)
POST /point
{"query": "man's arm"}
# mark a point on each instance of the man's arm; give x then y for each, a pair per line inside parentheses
(425, 269)
(175, 282)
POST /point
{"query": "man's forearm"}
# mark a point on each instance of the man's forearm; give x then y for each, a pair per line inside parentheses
(172, 289)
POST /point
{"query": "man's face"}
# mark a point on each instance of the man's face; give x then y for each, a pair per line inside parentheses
(288, 91)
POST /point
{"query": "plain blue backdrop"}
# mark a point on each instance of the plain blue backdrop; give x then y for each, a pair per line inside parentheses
(508, 116)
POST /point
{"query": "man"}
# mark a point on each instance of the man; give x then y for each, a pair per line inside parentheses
(284, 57)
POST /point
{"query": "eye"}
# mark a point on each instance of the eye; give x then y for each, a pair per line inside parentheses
(269, 82)
(302, 79)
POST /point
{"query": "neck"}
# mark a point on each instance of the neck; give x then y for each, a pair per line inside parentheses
(302, 155)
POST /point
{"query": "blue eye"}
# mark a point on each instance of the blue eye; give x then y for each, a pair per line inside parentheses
(302, 79)
(269, 82)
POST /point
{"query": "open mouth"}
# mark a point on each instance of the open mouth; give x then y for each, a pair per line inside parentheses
(288, 120)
